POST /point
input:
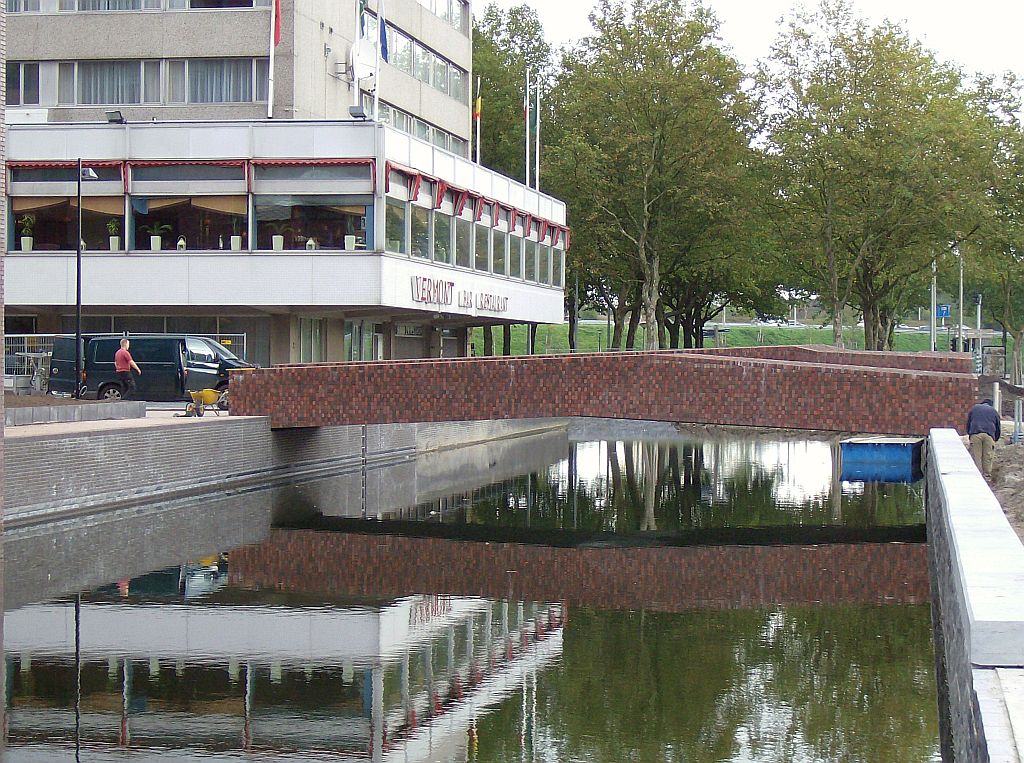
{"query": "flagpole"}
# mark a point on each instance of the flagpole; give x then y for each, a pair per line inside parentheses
(354, 53)
(270, 62)
(536, 153)
(381, 31)
(526, 114)
(479, 116)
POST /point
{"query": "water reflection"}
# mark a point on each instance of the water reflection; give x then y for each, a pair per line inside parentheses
(204, 633)
(644, 486)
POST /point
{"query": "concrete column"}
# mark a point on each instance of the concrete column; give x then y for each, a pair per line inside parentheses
(388, 341)
(434, 342)
(334, 346)
(284, 339)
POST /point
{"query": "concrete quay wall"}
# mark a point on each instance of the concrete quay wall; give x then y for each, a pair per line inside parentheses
(976, 564)
(63, 470)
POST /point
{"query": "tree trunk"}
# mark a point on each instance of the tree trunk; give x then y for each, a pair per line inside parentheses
(650, 453)
(506, 339)
(488, 341)
(650, 291)
(572, 321)
(673, 333)
(634, 322)
(1017, 373)
(662, 332)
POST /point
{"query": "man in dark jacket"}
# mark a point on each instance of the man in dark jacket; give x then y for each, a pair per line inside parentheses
(983, 427)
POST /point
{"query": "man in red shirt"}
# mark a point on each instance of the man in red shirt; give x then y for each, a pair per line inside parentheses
(123, 365)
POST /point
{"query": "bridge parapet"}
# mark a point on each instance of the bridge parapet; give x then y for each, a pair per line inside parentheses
(688, 386)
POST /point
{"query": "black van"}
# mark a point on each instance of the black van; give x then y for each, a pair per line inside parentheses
(172, 365)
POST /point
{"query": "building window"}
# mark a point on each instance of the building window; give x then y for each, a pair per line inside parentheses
(22, 6)
(463, 243)
(420, 229)
(558, 267)
(499, 242)
(394, 227)
(115, 83)
(55, 220)
(311, 221)
(515, 256)
(544, 263)
(196, 222)
(22, 84)
(531, 261)
(482, 258)
(223, 80)
(420, 62)
(150, 5)
(442, 238)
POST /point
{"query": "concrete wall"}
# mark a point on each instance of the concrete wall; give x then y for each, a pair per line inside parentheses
(976, 562)
(86, 468)
(685, 387)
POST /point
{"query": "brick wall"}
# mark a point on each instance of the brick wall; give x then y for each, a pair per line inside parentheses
(662, 579)
(950, 362)
(698, 387)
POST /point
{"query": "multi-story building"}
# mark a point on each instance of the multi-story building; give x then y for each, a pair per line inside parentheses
(237, 182)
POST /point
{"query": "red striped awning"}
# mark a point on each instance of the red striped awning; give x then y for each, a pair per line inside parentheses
(44, 165)
(311, 162)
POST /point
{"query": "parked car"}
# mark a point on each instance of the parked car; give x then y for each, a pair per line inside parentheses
(172, 365)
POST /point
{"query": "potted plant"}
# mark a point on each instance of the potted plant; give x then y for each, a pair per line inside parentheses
(156, 231)
(277, 238)
(27, 222)
(236, 237)
(114, 230)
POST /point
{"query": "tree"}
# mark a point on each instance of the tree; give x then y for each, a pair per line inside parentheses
(879, 159)
(505, 44)
(652, 136)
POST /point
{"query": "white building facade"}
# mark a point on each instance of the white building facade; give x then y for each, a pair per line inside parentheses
(315, 237)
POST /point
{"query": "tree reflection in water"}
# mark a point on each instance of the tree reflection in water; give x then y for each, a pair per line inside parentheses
(682, 485)
(789, 684)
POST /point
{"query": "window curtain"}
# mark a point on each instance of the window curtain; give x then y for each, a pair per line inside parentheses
(109, 82)
(109, 5)
(220, 80)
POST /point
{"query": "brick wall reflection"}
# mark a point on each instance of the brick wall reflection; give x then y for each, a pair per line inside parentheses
(845, 392)
(658, 579)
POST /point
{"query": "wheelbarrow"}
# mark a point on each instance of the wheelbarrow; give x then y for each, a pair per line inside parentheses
(207, 400)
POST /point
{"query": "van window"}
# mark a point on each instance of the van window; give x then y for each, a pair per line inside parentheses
(102, 350)
(199, 351)
(155, 350)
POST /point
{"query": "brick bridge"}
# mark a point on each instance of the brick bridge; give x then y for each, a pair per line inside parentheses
(793, 387)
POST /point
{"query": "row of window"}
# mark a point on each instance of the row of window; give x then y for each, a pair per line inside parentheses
(455, 12)
(428, 67)
(36, 6)
(127, 82)
(431, 234)
(407, 123)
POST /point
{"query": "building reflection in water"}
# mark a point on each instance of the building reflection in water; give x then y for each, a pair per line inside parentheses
(403, 679)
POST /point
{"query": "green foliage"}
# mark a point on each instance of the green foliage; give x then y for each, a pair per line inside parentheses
(27, 222)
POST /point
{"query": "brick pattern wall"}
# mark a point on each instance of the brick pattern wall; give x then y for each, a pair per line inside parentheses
(949, 362)
(709, 388)
(661, 579)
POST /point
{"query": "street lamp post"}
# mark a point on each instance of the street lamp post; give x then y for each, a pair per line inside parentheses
(960, 314)
(86, 173)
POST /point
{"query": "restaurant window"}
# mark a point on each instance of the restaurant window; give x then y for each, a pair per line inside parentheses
(544, 263)
(394, 227)
(463, 243)
(53, 221)
(558, 267)
(481, 250)
(420, 230)
(531, 260)
(289, 221)
(499, 242)
(442, 238)
(515, 256)
(191, 222)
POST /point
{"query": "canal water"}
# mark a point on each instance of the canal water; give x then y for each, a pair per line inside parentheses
(700, 597)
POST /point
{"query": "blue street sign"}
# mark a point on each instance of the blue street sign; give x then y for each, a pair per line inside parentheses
(942, 311)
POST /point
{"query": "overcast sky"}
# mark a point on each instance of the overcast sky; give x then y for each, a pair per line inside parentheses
(982, 35)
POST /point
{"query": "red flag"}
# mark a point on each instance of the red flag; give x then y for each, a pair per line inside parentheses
(277, 23)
